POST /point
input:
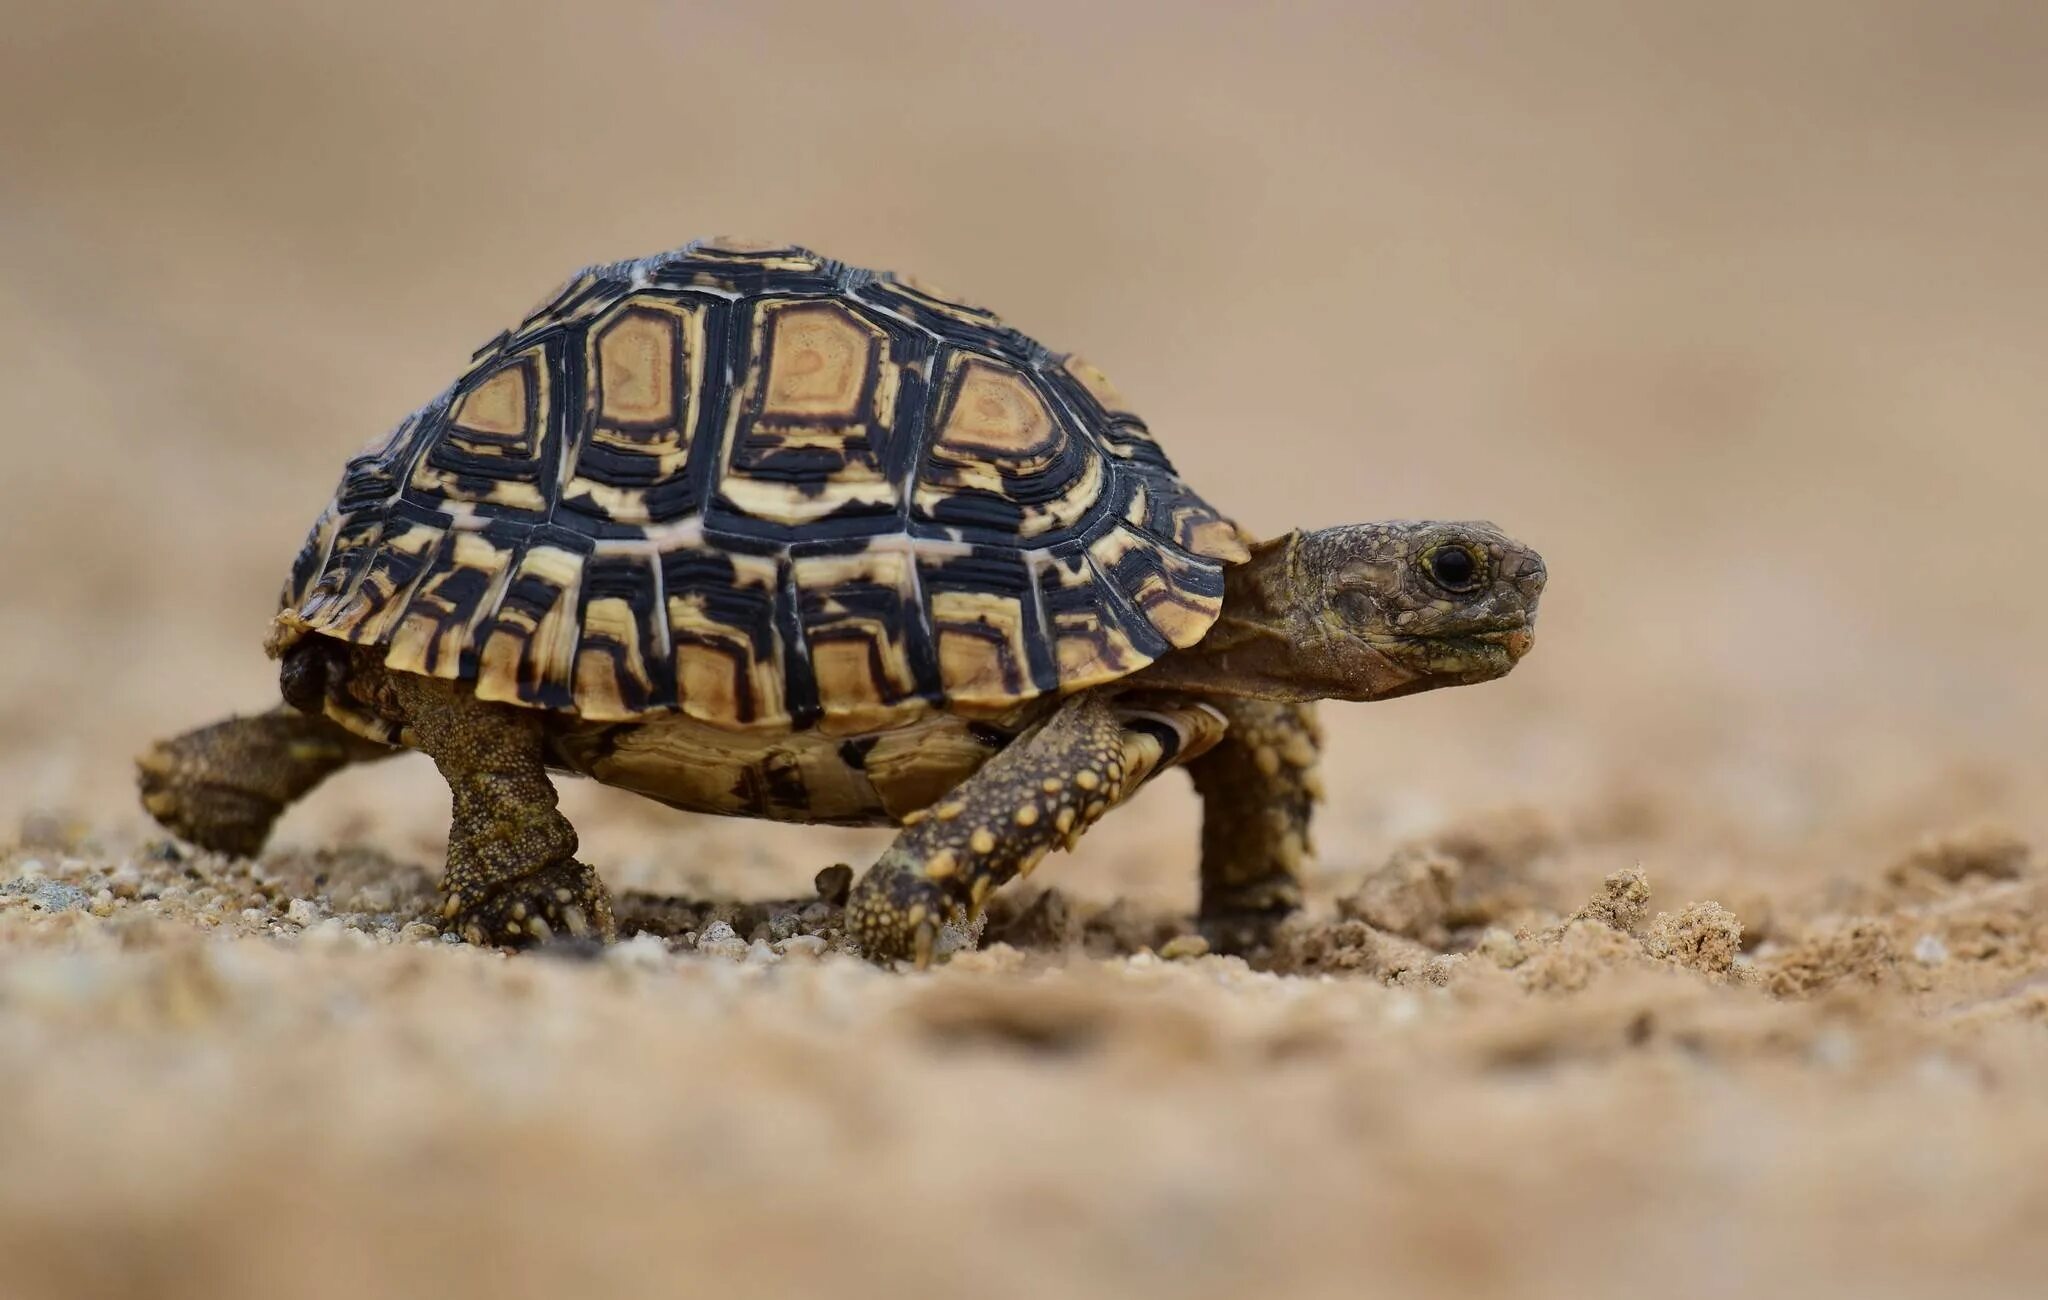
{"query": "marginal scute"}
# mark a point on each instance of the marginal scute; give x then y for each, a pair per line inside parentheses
(1093, 642)
(1097, 385)
(624, 641)
(765, 491)
(529, 648)
(857, 612)
(452, 598)
(728, 650)
(1178, 595)
(387, 587)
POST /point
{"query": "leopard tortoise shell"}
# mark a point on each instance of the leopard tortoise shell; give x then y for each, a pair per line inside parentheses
(768, 490)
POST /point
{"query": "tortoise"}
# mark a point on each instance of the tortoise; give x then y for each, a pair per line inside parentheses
(754, 532)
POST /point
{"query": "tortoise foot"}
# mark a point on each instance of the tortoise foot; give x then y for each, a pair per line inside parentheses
(563, 901)
(195, 789)
(895, 914)
(1243, 920)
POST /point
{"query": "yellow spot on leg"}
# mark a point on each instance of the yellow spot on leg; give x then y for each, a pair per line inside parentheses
(982, 841)
(1087, 779)
(1267, 759)
(1027, 815)
(941, 865)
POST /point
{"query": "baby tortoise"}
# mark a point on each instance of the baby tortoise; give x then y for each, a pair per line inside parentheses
(750, 531)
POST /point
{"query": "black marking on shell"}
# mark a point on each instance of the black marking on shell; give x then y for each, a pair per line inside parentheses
(380, 496)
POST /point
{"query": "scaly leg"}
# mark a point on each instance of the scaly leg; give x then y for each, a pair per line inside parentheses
(1258, 788)
(223, 786)
(1041, 792)
(512, 877)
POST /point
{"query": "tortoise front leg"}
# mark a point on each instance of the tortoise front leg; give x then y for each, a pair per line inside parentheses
(1042, 791)
(1038, 794)
(512, 879)
(223, 786)
(1258, 787)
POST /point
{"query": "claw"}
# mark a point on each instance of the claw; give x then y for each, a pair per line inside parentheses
(922, 942)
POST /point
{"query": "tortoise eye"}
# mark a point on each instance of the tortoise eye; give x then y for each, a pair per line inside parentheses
(1454, 568)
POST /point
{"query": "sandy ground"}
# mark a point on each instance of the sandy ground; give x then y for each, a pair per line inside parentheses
(1706, 955)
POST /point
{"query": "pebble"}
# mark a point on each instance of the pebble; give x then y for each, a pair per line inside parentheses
(721, 940)
(760, 954)
(1184, 947)
(641, 952)
(326, 934)
(50, 895)
(303, 911)
(803, 945)
(1930, 950)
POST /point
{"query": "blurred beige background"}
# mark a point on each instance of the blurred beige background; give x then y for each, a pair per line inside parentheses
(1734, 310)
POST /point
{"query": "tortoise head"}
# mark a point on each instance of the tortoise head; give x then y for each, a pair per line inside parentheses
(1367, 612)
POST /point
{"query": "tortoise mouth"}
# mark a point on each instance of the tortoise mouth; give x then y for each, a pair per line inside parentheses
(1473, 655)
(1515, 641)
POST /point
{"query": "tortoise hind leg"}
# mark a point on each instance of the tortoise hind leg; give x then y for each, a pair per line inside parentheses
(512, 878)
(223, 786)
(1258, 788)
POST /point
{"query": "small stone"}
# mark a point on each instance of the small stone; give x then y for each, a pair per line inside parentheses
(324, 934)
(1930, 950)
(302, 912)
(1184, 947)
(721, 940)
(803, 945)
(419, 932)
(102, 903)
(49, 895)
(641, 952)
(760, 954)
